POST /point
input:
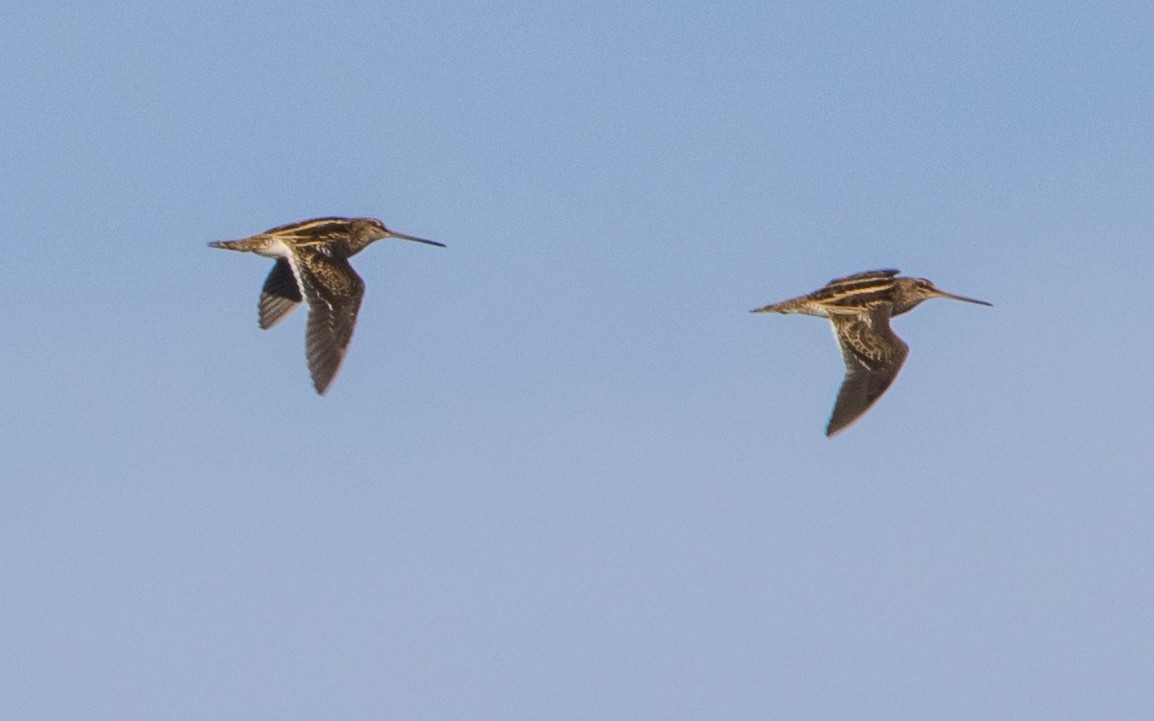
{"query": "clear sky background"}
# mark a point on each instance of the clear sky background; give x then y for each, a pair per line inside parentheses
(564, 473)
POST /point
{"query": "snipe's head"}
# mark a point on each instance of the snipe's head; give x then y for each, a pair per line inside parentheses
(363, 231)
(908, 292)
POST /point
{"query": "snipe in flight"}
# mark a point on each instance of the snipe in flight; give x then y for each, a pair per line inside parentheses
(312, 263)
(860, 307)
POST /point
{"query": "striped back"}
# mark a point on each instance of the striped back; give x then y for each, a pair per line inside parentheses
(859, 291)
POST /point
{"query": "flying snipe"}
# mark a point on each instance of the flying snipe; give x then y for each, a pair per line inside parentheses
(312, 264)
(860, 307)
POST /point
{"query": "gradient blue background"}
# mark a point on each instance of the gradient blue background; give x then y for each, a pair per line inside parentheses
(564, 474)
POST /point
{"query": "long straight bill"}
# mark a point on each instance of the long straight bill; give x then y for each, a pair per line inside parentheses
(415, 239)
(962, 297)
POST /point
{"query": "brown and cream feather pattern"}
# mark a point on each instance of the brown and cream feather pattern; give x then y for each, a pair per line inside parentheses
(860, 307)
(312, 266)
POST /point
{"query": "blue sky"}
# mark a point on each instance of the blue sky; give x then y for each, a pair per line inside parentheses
(564, 473)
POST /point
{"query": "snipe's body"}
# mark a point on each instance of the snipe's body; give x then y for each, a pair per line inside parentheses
(312, 265)
(860, 307)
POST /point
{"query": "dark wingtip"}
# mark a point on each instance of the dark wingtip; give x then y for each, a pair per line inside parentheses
(834, 427)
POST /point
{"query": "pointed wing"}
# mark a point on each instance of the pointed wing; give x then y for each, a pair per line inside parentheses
(279, 295)
(873, 355)
(334, 292)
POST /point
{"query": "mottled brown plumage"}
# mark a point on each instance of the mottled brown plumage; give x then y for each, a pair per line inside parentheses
(860, 307)
(312, 265)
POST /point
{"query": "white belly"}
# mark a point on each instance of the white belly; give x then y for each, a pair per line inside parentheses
(275, 249)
